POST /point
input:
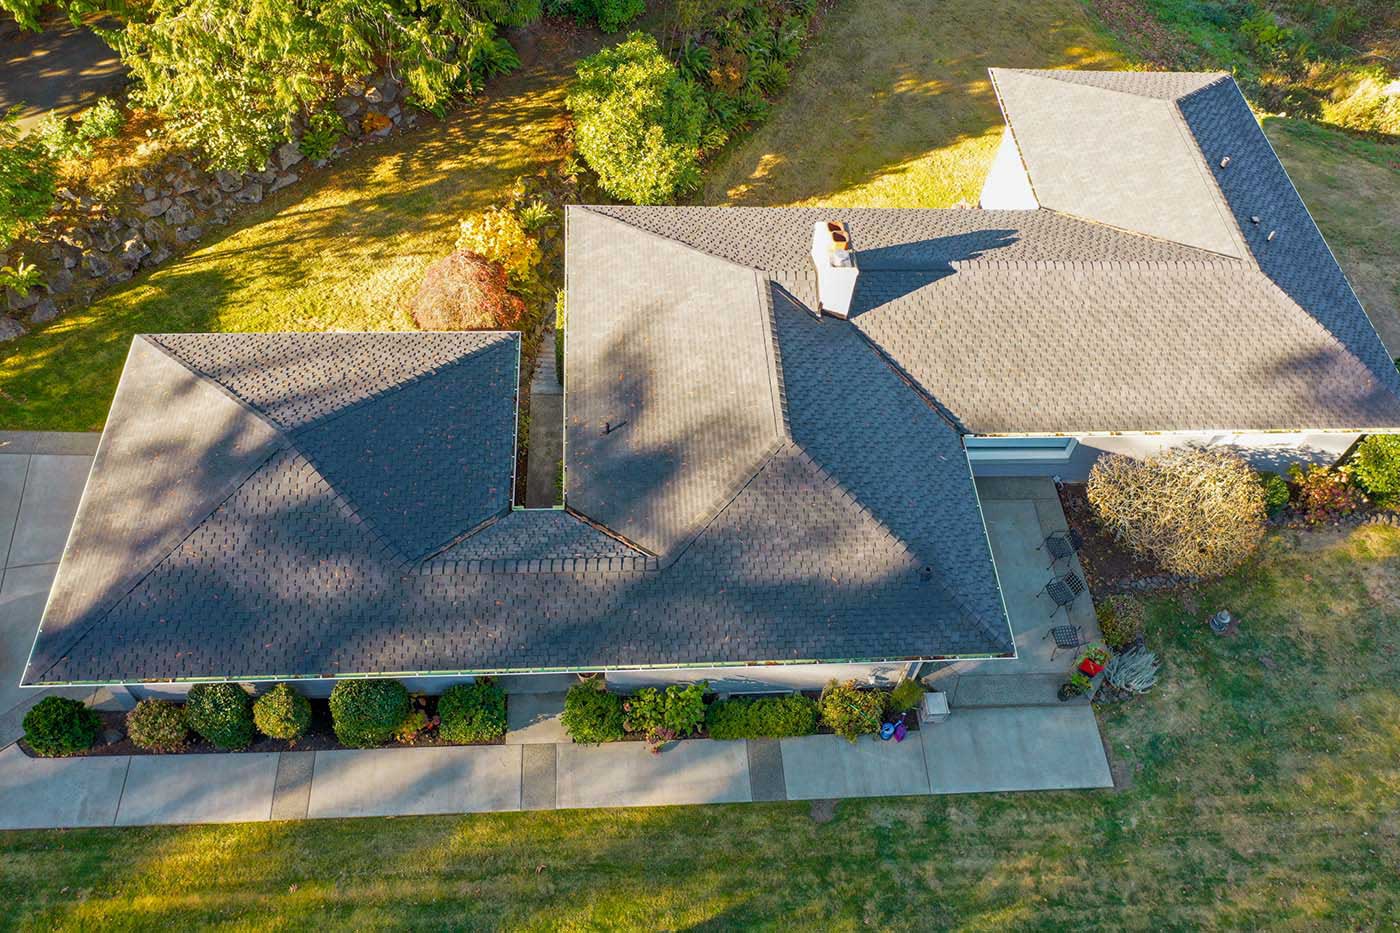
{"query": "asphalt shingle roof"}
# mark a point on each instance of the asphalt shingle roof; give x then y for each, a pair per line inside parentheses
(775, 485)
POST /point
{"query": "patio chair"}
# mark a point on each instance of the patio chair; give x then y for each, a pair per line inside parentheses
(1062, 545)
(1066, 636)
(1064, 590)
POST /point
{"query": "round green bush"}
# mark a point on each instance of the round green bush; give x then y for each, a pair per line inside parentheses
(1276, 493)
(761, 717)
(472, 713)
(638, 122)
(592, 714)
(851, 712)
(282, 713)
(906, 695)
(157, 726)
(366, 713)
(1121, 620)
(222, 714)
(58, 726)
(1376, 466)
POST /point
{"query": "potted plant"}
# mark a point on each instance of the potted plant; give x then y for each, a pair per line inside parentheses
(1092, 661)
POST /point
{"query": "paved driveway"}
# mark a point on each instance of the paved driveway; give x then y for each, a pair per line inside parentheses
(41, 480)
(63, 68)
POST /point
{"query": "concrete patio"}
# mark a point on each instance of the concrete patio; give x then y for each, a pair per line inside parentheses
(1020, 512)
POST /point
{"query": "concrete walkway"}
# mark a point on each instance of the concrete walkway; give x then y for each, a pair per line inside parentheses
(1034, 748)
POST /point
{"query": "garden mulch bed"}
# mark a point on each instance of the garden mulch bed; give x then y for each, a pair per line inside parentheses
(320, 737)
(1108, 566)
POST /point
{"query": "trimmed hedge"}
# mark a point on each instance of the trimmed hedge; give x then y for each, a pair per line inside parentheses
(58, 726)
(158, 726)
(761, 717)
(366, 713)
(472, 713)
(282, 713)
(222, 713)
(592, 714)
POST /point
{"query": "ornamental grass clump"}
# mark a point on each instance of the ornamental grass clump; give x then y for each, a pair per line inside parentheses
(282, 713)
(366, 713)
(58, 726)
(906, 695)
(157, 726)
(851, 712)
(464, 291)
(470, 713)
(592, 715)
(222, 714)
(1197, 513)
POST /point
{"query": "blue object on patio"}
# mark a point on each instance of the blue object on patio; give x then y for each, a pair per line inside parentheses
(1064, 590)
(887, 731)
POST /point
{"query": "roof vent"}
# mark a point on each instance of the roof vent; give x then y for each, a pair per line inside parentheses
(1254, 220)
(836, 267)
(1272, 234)
(1225, 162)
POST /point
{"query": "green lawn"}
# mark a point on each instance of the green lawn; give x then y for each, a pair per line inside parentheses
(340, 252)
(892, 106)
(1265, 792)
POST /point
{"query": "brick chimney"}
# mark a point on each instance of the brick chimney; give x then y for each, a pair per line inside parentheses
(836, 267)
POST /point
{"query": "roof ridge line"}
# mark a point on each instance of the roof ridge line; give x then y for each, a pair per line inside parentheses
(112, 602)
(665, 239)
(1054, 74)
(208, 379)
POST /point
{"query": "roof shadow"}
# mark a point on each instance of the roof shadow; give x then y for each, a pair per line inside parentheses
(888, 273)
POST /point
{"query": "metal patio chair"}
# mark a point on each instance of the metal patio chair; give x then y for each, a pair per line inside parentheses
(1066, 636)
(1064, 590)
(1062, 545)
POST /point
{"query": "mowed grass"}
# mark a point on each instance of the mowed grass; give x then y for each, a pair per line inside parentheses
(892, 106)
(344, 250)
(1352, 187)
(1263, 792)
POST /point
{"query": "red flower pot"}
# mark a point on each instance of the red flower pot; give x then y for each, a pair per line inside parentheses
(1089, 667)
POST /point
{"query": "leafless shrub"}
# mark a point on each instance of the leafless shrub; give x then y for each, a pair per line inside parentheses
(1195, 512)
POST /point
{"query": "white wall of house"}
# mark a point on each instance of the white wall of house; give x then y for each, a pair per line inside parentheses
(764, 678)
(1263, 451)
(1008, 187)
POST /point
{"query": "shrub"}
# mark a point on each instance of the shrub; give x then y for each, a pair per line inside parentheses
(906, 695)
(58, 726)
(322, 131)
(851, 712)
(660, 715)
(1195, 512)
(464, 291)
(27, 178)
(1324, 494)
(1376, 466)
(559, 320)
(56, 134)
(1135, 670)
(222, 713)
(157, 726)
(472, 713)
(499, 235)
(103, 120)
(535, 214)
(761, 717)
(282, 713)
(1276, 494)
(608, 15)
(591, 714)
(1121, 620)
(414, 724)
(366, 713)
(637, 122)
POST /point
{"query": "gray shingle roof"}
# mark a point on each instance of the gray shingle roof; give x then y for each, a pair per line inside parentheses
(1123, 159)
